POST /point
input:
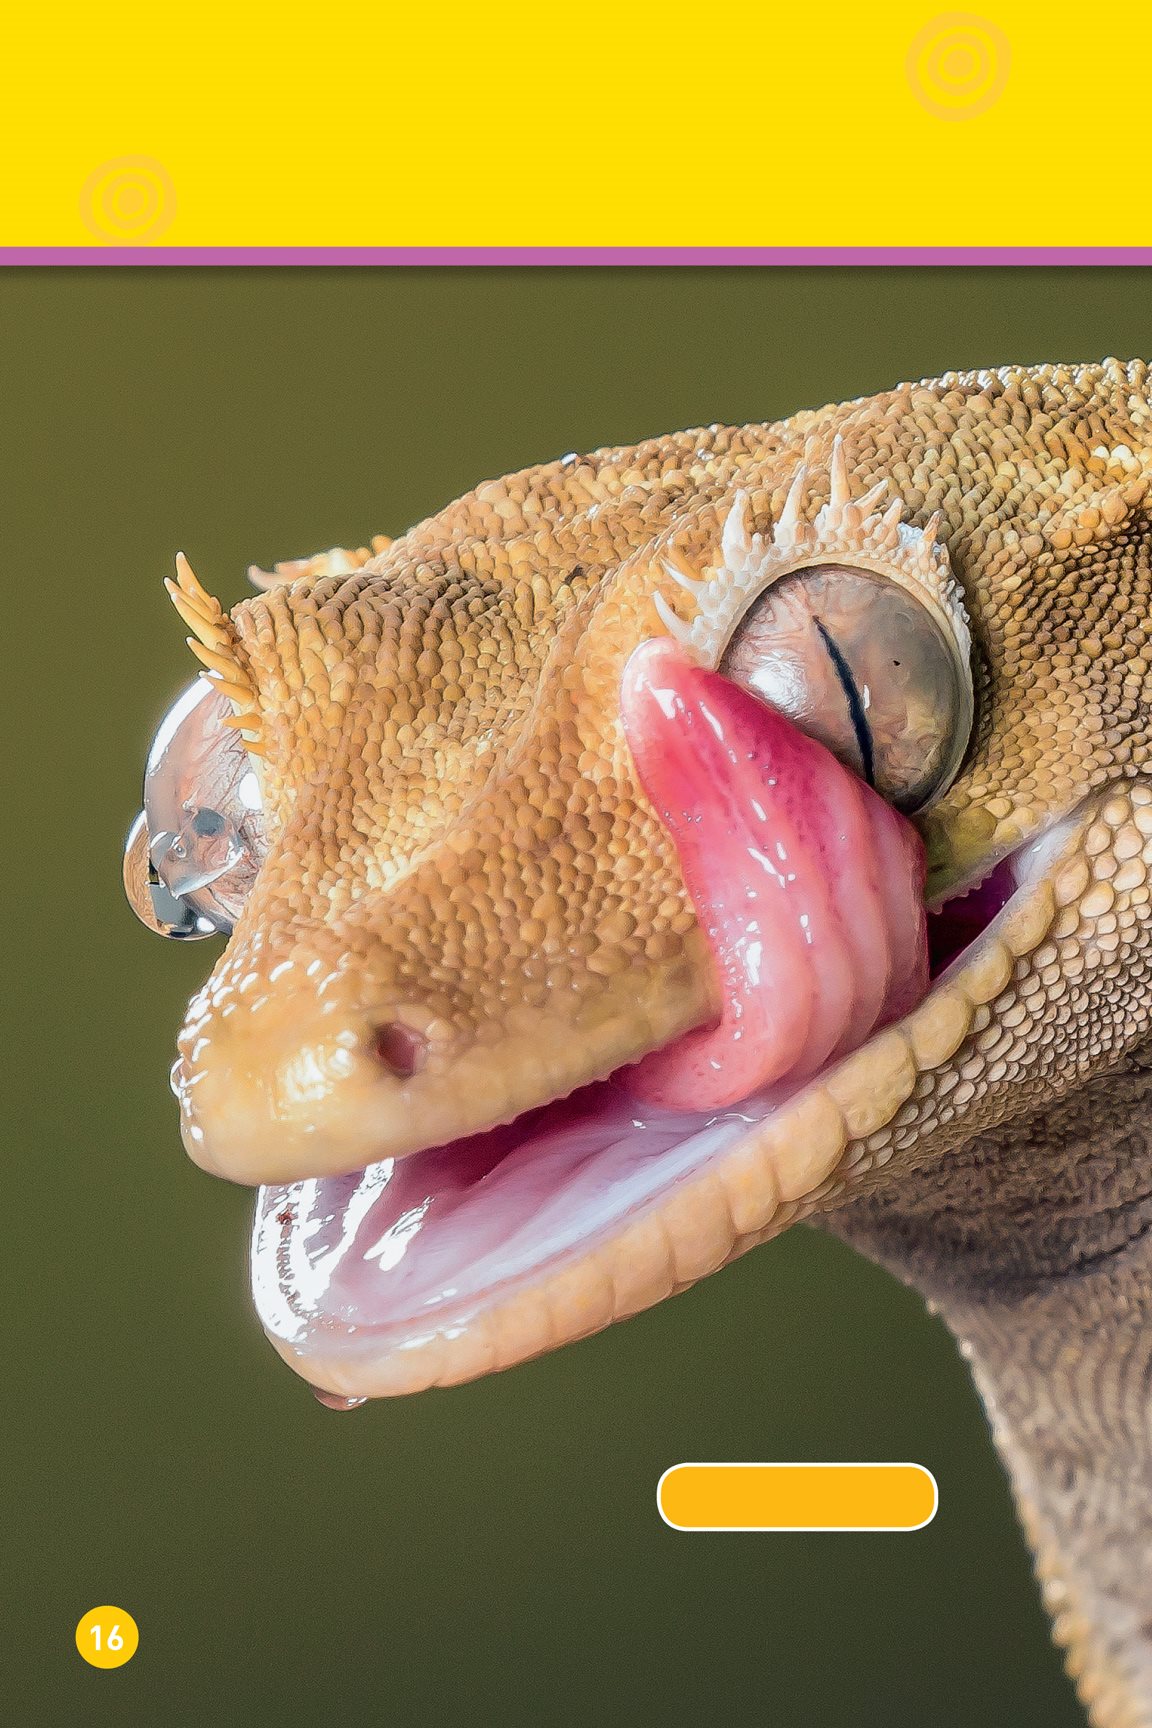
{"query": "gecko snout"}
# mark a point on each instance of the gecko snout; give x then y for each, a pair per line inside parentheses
(289, 1082)
(286, 1082)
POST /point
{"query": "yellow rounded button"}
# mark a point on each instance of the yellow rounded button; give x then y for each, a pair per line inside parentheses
(797, 1496)
(107, 1637)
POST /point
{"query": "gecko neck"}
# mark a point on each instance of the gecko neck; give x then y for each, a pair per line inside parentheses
(1035, 1246)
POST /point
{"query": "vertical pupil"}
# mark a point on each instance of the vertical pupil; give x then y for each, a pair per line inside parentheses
(855, 706)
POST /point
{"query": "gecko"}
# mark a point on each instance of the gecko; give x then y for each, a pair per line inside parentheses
(659, 847)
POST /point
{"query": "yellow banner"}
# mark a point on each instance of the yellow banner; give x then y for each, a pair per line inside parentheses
(592, 125)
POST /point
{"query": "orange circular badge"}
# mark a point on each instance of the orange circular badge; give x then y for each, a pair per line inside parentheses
(107, 1637)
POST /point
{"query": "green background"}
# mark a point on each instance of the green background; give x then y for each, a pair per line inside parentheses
(490, 1553)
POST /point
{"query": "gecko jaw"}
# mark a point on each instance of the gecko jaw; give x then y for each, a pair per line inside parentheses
(353, 1300)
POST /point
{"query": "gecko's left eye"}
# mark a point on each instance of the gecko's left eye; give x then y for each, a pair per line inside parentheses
(860, 664)
(194, 851)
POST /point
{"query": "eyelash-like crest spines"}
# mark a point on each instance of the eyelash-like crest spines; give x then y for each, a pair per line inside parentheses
(844, 530)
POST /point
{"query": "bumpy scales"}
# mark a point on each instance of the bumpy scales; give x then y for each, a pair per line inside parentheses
(468, 908)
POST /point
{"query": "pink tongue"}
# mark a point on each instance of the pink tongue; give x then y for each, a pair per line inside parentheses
(808, 885)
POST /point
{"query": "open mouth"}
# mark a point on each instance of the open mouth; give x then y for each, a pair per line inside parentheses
(462, 1258)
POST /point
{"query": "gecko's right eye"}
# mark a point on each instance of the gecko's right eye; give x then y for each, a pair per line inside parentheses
(861, 664)
(193, 855)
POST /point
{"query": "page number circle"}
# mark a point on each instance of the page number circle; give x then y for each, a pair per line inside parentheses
(107, 1637)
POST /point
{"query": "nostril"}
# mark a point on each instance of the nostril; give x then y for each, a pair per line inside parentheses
(400, 1048)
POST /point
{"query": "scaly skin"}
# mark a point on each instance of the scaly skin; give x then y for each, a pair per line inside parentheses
(460, 846)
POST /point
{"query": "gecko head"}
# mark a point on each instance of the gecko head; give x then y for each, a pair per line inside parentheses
(576, 879)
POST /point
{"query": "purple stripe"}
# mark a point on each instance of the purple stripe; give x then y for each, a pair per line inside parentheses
(579, 255)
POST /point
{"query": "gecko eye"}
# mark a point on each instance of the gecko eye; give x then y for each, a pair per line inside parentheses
(193, 855)
(860, 664)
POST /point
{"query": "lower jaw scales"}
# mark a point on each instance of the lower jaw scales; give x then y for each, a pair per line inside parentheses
(807, 884)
